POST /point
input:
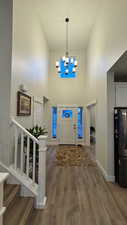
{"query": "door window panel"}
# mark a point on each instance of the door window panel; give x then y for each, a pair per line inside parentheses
(67, 114)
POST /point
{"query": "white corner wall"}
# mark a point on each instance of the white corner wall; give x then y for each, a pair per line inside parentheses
(5, 76)
(30, 59)
(107, 43)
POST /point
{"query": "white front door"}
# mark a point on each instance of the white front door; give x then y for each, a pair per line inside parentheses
(67, 125)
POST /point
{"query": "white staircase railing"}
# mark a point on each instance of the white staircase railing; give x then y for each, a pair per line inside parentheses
(30, 159)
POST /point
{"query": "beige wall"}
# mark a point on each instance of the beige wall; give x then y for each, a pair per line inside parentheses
(5, 76)
(24, 59)
(30, 55)
(66, 91)
(107, 43)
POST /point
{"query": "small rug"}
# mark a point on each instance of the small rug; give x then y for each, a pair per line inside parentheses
(73, 156)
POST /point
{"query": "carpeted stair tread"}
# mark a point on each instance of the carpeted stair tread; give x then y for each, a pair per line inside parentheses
(10, 192)
(20, 211)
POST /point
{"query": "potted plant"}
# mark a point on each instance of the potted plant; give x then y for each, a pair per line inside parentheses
(36, 131)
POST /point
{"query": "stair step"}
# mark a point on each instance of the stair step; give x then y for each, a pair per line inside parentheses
(20, 211)
(10, 192)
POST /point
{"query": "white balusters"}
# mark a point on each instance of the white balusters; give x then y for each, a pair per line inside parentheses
(34, 160)
(28, 156)
(16, 147)
(22, 152)
(30, 164)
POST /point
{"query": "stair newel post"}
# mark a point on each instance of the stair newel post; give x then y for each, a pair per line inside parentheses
(41, 198)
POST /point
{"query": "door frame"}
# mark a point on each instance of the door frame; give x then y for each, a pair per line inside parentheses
(88, 106)
(77, 141)
(39, 101)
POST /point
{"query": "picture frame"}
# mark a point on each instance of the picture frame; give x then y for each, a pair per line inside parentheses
(23, 104)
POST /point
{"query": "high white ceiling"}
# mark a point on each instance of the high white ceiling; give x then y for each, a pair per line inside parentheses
(82, 14)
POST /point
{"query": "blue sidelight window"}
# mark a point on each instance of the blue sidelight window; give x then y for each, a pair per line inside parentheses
(54, 122)
(80, 122)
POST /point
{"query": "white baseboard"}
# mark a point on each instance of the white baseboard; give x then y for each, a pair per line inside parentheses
(111, 178)
(53, 142)
(41, 205)
(87, 145)
(2, 211)
(107, 177)
(102, 170)
(56, 142)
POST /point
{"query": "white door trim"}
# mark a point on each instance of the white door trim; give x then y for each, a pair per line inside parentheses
(87, 124)
(69, 106)
(91, 103)
(38, 101)
(78, 141)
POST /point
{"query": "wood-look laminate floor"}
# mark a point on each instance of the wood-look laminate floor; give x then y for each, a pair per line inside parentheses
(80, 196)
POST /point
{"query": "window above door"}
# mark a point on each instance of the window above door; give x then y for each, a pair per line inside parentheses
(67, 114)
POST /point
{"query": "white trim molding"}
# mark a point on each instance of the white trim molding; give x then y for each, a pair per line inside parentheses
(38, 100)
(41, 205)
(107, 177)
(102, 170)
(2, 211)
(91, 103)
(69, 106)
(3, 177)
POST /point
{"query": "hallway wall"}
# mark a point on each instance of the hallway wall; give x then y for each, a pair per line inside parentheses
(107, 43)
(5, 76)
(66, 91)
(30, 59)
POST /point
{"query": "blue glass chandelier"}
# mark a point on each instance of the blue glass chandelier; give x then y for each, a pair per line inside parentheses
(67, 64)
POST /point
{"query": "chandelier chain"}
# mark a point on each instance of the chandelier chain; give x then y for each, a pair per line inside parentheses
(67, 41)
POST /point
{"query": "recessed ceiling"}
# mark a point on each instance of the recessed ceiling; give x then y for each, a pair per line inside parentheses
(82, 14)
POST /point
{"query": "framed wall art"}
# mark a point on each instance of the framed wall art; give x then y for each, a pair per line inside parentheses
(23, 104)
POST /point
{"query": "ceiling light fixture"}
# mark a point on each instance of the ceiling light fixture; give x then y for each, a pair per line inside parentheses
(68, 63)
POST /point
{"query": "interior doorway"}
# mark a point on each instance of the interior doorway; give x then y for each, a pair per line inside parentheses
(116, 98)
(92, 110)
